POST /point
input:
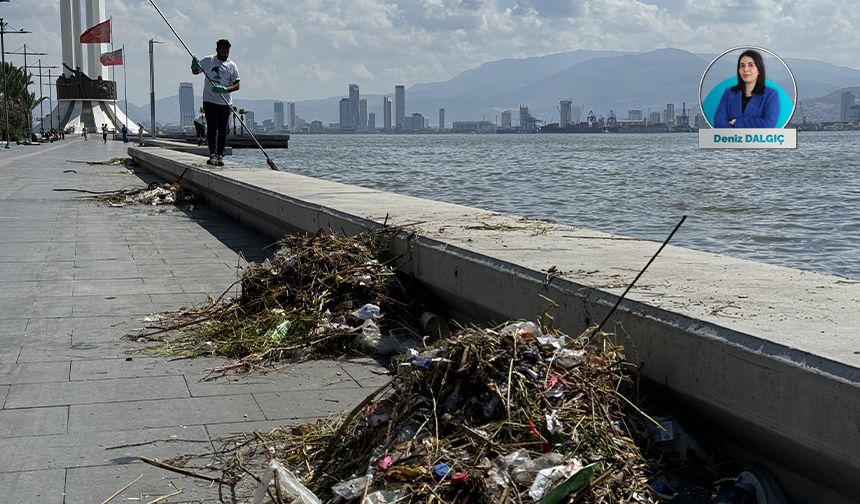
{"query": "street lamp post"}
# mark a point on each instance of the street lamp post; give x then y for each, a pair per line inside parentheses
(5, 88)
(152, 42)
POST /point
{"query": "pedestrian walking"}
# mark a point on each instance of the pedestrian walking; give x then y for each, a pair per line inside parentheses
(217, 102)
(124, 133)
(104, 133)
(85, 132)
(200, 128)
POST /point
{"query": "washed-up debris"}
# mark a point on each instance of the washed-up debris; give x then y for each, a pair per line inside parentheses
(117, 161)
(467, 419)
(320, 295)
(154, 194)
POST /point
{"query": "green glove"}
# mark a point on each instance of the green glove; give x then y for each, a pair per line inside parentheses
(195, 64)
(219, 89)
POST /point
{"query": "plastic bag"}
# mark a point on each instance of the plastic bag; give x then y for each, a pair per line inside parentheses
(366, 312)
(288, 483)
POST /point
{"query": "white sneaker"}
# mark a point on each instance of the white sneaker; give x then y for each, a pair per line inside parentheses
(213, 160)
(220, 161)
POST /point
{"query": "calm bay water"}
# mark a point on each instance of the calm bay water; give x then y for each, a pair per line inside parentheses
(794, 208)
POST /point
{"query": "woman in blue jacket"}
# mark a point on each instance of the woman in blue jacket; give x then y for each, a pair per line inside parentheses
(749, 104)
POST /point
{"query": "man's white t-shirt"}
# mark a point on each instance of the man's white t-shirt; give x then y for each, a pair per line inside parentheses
(225, 73)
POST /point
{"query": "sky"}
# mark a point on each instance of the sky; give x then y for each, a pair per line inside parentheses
(296, 50)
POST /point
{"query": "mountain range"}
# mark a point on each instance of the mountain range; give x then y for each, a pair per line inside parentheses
(594, 80)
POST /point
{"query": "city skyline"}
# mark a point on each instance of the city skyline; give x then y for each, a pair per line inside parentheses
(314, 51)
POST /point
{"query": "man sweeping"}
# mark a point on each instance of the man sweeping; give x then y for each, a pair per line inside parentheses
(222, 79)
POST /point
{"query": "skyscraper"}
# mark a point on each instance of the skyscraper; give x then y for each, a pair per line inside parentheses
(506, 118)
(654, 118)
(249, 119)
(279, 115)
(186, 105)
(399, 105)
(371, 121)
(345, 120)
(564, 112)
(353, 106)
(291, 115)
(845, 111)
(386, 113)
(669, 115)
(362, 114)
(441, 118)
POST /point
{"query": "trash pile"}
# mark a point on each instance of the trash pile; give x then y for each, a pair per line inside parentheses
(154, 194)
(317, 295)
(483, 416)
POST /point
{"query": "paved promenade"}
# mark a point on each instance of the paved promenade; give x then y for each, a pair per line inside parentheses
(75, 276)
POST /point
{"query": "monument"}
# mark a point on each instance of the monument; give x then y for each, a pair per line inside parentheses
(85, 96)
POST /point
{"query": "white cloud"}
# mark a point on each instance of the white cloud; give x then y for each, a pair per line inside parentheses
(305, 49)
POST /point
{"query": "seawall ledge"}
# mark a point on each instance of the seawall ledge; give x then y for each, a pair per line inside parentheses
(771, 354)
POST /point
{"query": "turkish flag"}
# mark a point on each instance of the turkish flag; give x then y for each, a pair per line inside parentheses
(98, 34)
(111, 58)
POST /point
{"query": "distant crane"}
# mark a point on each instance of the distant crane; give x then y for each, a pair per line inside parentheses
(591, 118)
(612, 119)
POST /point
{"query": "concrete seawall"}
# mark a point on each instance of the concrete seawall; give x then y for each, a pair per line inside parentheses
(770, 356)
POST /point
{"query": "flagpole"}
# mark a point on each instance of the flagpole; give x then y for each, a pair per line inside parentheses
(113, 71)
(125, 86)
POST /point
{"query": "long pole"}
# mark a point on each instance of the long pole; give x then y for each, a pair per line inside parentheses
(5, 89)
(152, 90)
(269, 160)
(113, 71)
(41, 100)
(125, 87)
(27, 93)
(51, 99)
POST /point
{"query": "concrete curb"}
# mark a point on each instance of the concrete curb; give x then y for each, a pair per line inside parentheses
(770, 356)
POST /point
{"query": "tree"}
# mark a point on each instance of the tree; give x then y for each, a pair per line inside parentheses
(21, 102)
(242, 116)
(234, 118)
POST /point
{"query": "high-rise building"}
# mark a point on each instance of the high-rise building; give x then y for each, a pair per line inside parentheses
(669, 115)
(564, 112)
(506, 118)
(371, 121)
(353, 106)
(249, 119)
(524, 116)
(291, 116)
(847, 100)
(187, 112)
(441, 118)
(386, 113)
(279, 115)
(634, 115)
(854, 113)
(654, 118)
(399, 105)
(345, 119)
(362, 114)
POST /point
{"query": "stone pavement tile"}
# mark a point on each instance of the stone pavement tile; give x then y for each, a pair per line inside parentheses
(129, 304)
(99, 448)
(313, 375)
(51, 307)
(169, 302)
(110, 287)
(140, 366)
(53, 329)
(95, 484)
(99, 391)
(307, 404)
(40, 352)
(119, 324)
(48, 288)
(9, 352)
(12, 326)
(163, 413)
(158, 270)
(367, 372)
(213, 287)
(56, 270)
(16, 308)
(105, 269)
(18, 289)
(4, 391)
(206, 270)
(19, 271)
(34, 487)
(33, 421)
(161, 286)
(221, 430)
(110, 252)
(46, 372)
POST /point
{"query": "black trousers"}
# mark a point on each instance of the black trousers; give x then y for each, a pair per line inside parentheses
(217, 122)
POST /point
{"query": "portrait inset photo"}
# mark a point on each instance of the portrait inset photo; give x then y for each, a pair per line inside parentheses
(748, 87)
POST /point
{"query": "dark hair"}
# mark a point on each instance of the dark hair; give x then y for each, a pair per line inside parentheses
(759, 63)
(222, 43)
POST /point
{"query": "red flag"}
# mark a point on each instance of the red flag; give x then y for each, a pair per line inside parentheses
(111, 58)
(98, 34)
